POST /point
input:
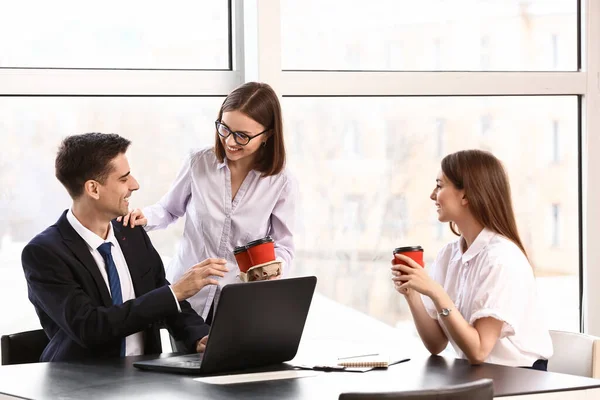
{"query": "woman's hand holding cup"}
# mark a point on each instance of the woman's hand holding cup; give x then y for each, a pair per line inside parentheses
(409, 256)
(408, 275)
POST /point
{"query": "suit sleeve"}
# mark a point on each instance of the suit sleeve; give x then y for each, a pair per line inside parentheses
(54, 289)
(186, 326)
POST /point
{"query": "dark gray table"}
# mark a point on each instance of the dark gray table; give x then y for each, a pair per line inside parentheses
(118, 379)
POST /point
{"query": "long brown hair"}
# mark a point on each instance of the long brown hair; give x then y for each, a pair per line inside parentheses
(483, 178)
(259, 102)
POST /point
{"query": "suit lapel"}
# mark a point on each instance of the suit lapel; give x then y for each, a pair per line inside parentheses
(131, 258)
(80, 249)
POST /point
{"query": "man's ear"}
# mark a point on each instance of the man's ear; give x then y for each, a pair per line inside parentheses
(91, 188)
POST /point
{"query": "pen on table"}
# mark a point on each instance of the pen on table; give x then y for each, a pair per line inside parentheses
(362, 355)
(399, 361)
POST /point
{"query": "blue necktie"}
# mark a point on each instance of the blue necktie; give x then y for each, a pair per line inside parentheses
(113, 280)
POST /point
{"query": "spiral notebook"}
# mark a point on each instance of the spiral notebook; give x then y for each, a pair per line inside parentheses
(365, 361)
(354, 364)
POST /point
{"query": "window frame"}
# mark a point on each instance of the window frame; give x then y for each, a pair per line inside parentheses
(255, 49)
(134, 82)
(584, 83)
(232, 7)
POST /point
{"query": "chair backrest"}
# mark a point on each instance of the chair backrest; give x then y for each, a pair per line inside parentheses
(23, 347)
(481, 389)
(575, 354)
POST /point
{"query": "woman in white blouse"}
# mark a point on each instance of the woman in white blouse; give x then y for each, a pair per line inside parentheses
(232, 193)
(481, 294)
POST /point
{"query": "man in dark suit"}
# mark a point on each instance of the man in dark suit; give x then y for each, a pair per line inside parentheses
(98, 287)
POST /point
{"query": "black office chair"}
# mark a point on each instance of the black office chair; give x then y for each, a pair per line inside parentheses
(479, 390)
(23, 347)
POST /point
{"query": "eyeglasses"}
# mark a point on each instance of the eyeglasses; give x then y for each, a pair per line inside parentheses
(239, 137)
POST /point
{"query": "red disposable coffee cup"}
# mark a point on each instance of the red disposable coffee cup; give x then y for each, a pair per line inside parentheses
(414, 252)
(242, 258)
(261, 251)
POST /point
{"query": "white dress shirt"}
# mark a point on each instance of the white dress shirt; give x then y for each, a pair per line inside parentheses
(215, 223)
(493, 278)
(134, 344)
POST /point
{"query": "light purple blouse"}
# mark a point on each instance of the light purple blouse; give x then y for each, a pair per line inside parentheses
(215, 223)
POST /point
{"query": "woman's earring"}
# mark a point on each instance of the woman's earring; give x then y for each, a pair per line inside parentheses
(264, 144)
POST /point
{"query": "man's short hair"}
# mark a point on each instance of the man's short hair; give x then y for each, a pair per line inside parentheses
(87, 156)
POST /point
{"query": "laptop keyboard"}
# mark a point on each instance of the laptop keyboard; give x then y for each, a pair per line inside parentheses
(191, 361)
(185, 364)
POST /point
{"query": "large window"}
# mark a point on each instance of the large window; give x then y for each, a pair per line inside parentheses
(374, 94)
(162, 130)
(381, 198)
(458, 35)
(185, 34)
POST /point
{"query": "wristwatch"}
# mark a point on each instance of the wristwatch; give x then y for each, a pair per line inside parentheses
(445, 312)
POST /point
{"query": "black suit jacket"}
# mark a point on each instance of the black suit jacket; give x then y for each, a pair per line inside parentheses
(74, 305)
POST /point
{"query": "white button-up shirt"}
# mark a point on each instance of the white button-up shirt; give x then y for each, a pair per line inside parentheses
(215, 223)
(134, 344)
(493, 278)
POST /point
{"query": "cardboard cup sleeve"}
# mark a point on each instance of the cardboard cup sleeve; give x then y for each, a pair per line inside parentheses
(262, 272)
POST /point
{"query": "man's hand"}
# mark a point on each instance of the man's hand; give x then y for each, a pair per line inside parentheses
(201, 344)
(199, 276)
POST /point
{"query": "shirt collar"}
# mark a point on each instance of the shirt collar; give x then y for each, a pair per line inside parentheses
(220, 165)
(481, 241)
(223, 164)
(90, 238)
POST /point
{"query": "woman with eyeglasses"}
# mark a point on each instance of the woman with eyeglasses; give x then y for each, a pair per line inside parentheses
(232, 193)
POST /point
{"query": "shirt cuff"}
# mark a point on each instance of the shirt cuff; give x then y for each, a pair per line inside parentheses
(175, 297)
(149, 216)
(508, 327)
